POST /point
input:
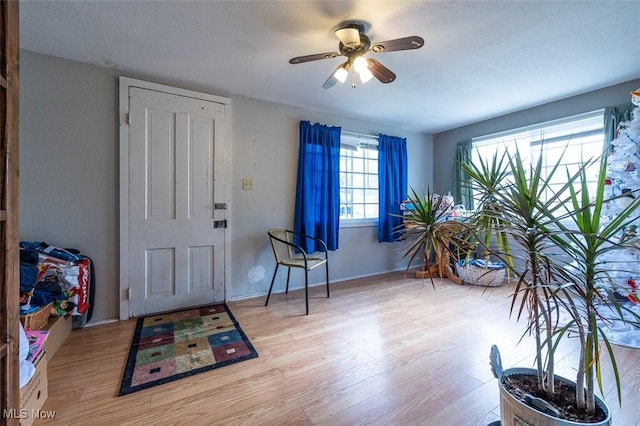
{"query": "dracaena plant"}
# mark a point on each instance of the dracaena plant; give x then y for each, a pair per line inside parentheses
(529, 207)
(544, 215)
(585, 240)
(427, 231)
(489, 221)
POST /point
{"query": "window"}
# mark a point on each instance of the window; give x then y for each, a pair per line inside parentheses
(581, 135)
(358, 178)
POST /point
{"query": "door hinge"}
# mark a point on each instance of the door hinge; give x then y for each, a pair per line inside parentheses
(220, 223)
(129, 118)
(129, 293)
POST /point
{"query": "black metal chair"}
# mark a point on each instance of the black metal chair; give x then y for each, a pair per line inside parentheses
(291, 255)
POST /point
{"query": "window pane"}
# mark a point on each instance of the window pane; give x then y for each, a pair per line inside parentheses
(359, 178)
(358, 181)
(343, 180)
(358, 211)
(357, 165)
(348, 180)
(372, 166)
(371, 210)
(582, 136)
(372, 181)
(371, 196)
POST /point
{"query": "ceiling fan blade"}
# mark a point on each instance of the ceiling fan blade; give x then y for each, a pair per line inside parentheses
(405, 43)
(315, 57)
(379, 71)
(331, 81)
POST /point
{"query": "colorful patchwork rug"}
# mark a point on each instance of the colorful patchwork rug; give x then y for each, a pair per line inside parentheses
(175, 345)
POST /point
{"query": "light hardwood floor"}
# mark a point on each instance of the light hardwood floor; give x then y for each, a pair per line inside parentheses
(384, 350)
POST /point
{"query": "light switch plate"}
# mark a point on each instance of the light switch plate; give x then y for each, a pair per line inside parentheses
(247, 183)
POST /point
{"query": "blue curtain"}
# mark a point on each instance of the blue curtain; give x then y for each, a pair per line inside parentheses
(392, 174)
(462, 191)
(317, 210)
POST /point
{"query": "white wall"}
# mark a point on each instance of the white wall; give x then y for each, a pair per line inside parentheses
(265, 148)
(69, 164)
(69, 176)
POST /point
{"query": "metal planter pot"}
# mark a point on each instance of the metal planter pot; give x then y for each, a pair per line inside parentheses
(513, 412)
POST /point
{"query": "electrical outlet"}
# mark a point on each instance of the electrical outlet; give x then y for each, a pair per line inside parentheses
(247, 183)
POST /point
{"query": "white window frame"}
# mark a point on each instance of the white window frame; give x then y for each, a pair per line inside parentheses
(355, 141)
(584, 131)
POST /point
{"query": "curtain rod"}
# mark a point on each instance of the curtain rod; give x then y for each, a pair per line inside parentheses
(359, 135)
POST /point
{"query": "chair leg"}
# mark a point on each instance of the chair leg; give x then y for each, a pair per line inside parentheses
(306, 289)
(271, 286)
(327, 271)
(286, 290)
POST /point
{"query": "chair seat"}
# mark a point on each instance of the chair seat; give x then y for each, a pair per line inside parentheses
(312, 262)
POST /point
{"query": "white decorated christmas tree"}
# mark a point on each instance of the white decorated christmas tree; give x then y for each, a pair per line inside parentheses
(623, 182)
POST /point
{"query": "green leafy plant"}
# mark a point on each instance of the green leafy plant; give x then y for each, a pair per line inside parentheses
(586, 240)
(527, 217)
(488, 220)
(427, 230)
(556, 231)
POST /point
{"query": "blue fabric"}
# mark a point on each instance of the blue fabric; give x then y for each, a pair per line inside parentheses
(317, 211)
(45, 248)
(45, 296)
(392, 175)
(28, 277)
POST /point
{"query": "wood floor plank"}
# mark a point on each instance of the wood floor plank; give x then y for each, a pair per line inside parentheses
(384, 350)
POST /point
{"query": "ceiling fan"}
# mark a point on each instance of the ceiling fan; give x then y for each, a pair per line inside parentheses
(354, 44)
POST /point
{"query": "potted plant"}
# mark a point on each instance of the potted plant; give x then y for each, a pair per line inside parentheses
(430, 237)
(561, 283)
(489, 222)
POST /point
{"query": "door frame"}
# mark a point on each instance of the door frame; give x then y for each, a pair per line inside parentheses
(9, 209)
(125, 83)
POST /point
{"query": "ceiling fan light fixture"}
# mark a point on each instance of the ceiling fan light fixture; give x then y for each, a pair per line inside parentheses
(365, 75)
(350, 37)
(341, 74)
(360, 64)
(362, 67)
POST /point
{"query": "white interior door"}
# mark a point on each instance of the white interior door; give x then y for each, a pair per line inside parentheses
(176, 235)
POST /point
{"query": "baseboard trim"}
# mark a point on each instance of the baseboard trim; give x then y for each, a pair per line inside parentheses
(320, 283)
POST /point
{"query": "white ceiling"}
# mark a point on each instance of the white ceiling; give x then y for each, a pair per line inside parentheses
(481, 59)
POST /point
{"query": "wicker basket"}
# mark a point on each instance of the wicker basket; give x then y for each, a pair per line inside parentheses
(477, 275)
(37, 320)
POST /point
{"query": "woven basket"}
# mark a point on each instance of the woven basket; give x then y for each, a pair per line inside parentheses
(37, 320)
(477, 275)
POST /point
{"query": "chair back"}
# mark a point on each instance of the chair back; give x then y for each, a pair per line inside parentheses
(281, 251)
